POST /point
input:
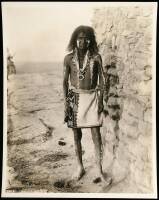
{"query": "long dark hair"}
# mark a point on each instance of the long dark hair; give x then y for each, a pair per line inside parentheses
(89, 31)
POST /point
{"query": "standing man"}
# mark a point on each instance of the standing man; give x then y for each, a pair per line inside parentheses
(83, 85)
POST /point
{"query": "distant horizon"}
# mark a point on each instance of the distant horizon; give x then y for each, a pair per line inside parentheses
(39, 67)
(37, 61)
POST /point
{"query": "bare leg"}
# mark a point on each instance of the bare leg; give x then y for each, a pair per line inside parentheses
(78, 150)
(96, 136)
(98, 149)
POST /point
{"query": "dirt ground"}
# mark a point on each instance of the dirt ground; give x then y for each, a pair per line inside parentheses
(41, 155)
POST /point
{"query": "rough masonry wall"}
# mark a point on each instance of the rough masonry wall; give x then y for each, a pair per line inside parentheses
(124, 35)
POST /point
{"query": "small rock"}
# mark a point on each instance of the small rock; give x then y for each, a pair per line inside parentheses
(97, 180)
(61, 143)
(59, 184)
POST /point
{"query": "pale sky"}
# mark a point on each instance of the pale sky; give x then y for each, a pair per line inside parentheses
(40, 31)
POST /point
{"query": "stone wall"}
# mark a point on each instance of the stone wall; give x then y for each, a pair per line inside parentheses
(124, 35)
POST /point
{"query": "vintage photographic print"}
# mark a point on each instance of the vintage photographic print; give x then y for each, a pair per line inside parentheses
(79, 99)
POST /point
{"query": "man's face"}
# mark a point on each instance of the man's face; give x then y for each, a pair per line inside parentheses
(82, 41)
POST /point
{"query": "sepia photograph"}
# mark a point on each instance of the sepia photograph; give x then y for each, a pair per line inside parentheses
(79, 99)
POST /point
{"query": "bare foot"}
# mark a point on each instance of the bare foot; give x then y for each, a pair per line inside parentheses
(103, 178)
(78, 174)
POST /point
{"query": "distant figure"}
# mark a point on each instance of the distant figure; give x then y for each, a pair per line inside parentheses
(10, 65)
(83, 85)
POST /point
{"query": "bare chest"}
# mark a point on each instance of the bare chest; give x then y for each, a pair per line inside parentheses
(84, 78)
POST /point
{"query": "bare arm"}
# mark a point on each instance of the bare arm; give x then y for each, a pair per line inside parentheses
(101, 82)
(66, 72)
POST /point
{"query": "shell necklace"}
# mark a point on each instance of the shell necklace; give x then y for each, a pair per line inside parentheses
(83, 69)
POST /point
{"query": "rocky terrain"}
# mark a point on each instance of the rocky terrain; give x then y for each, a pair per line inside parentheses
(41, 155)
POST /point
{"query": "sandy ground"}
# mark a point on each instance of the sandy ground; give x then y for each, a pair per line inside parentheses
(41, 155)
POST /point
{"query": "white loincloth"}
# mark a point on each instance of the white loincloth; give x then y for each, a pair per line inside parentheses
(85, 110)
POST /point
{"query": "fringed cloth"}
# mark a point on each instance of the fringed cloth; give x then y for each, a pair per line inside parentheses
(83, 109)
